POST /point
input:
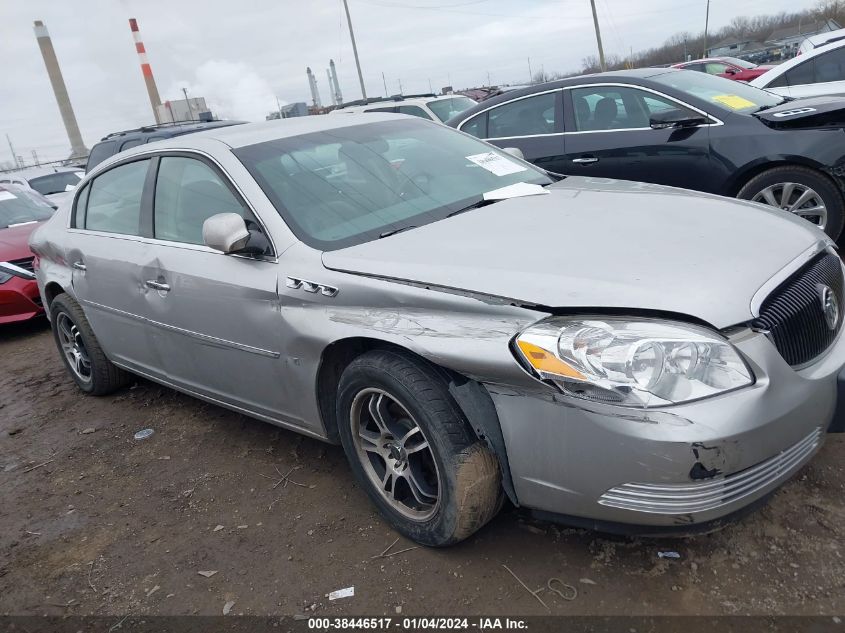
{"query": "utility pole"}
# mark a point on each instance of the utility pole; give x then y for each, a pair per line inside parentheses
(355, 51)
(12, 149)
(488, 79)
(279, 106)
(530, 74)
(706, 25)
(602, 65)
(400, 86)
(430, 89)
(188, 103)
(35, 158)
(384, 81)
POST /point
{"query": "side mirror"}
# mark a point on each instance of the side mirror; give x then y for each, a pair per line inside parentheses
(676, 118)
(730, 71)
(225, 232)
(514, 151)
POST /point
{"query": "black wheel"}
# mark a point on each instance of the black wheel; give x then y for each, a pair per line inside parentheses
(80, 351)
(802, 191)
(413, 451)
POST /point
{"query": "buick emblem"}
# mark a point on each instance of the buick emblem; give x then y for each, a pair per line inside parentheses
(830, 306)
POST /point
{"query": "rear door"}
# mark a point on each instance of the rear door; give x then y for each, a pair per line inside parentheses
(109, 255)
(218, 317)
(609, 135)
(532, 123)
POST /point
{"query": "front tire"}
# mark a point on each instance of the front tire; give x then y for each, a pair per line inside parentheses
(80, 351)
(802, 191)
(411, 449)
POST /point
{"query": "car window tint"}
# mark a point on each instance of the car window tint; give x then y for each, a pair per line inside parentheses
(801, 74)
(390, 109)
(114, 202)
(523, 117)
(131, 143)
(830, 66)
(477, 126)
(614, 107)
(99, 153)
(187, 193)
(696, 67)
(81, 206)
(414, 111)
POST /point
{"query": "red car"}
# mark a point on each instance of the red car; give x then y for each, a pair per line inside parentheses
(21, 211)
(727, 67)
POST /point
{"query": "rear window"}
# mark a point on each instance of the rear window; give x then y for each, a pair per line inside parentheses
(445, 109)
(99, 153)
(56, 183)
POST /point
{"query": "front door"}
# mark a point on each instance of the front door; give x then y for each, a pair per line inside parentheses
(218, 319)
(608, 135)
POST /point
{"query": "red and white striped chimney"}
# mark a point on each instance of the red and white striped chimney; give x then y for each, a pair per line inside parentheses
(152, 90)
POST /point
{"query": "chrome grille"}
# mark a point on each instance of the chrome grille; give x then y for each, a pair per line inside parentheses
(25, 263)
(712, 493)
(793, 316)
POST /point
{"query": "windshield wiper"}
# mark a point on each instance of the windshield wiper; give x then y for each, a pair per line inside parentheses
(395, 231)
(470, 207)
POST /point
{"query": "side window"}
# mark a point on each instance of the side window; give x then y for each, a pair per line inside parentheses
(615, 107)
(131, 143)
(114, 202)
(81, 207)
(830, 66)
(187, 193)
(523, 117)
(414, 111)
(715, 68)
(477, 126)
(801, 74)
(388, 109)
(696, 67)
(99, 153)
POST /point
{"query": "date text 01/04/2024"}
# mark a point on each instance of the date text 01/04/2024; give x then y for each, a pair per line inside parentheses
(417, 623)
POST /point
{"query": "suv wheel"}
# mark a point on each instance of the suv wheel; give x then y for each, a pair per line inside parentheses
(412, 450)
(802, 191)
(81, 353)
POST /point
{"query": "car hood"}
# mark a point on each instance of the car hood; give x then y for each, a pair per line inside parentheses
(809, 112)
(599, 243)
(14, 241)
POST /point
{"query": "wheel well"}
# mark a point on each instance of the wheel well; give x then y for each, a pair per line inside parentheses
(51, 291)
(745, 177)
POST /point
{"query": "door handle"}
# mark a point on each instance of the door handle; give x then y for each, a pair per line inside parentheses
(585, 160)
(80, 266)
(157, 285)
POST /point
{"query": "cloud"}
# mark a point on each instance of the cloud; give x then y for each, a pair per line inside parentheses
(233, 90)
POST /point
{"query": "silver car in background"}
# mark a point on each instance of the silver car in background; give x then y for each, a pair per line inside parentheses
(619, 355)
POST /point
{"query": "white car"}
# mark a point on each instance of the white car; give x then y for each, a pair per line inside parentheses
(54, 182)
(822, 39)
(432, 107)
(821, 71)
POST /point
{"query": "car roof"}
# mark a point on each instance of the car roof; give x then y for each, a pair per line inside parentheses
(168, 129)
(777, 71)
(826, 36)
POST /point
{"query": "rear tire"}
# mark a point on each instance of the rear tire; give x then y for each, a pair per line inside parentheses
(80, 351)
(412, 450)
(782, 187)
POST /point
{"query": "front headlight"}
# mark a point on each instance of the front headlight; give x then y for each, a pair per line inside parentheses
(632, 362)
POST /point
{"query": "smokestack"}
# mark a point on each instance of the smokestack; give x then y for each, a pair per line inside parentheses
(331, 90)
(77, 147)
(333, 82)
(312, 82)
(152, 90)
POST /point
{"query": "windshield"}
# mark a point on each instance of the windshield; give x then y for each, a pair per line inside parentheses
(733, 96)
(56, 183)
(349, 185)
(736, 61)
(20, 207)
(445, 109)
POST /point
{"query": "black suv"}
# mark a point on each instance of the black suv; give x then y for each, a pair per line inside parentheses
(119, 141)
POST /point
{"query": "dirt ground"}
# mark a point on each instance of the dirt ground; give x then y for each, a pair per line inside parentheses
(93, 521)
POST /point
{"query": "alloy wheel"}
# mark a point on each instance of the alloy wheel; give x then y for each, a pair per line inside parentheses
(795, 198)
(395, 454)
(73, 347)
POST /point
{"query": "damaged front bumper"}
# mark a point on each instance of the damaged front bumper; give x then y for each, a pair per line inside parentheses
(678, 466)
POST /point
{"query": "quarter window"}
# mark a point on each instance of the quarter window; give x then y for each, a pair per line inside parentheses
(187, 193)
(523, 117)
(414, 111)
(114, 202)
(801, 74)
(477, 126)
(831, 66)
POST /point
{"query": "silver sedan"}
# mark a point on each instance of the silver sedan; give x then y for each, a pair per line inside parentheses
(620, 355)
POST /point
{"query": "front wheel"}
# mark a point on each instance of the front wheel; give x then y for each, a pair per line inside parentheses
(412, 450)
(802, 191)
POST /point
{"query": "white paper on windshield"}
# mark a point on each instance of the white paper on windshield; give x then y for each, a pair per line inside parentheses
(496, 163)
(70, 187)
(7, 195)
(517, 190)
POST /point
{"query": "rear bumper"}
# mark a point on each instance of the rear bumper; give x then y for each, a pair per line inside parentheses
(680, 466)
(19, 300)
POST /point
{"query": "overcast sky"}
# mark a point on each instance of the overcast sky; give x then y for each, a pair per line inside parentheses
(244, 55)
